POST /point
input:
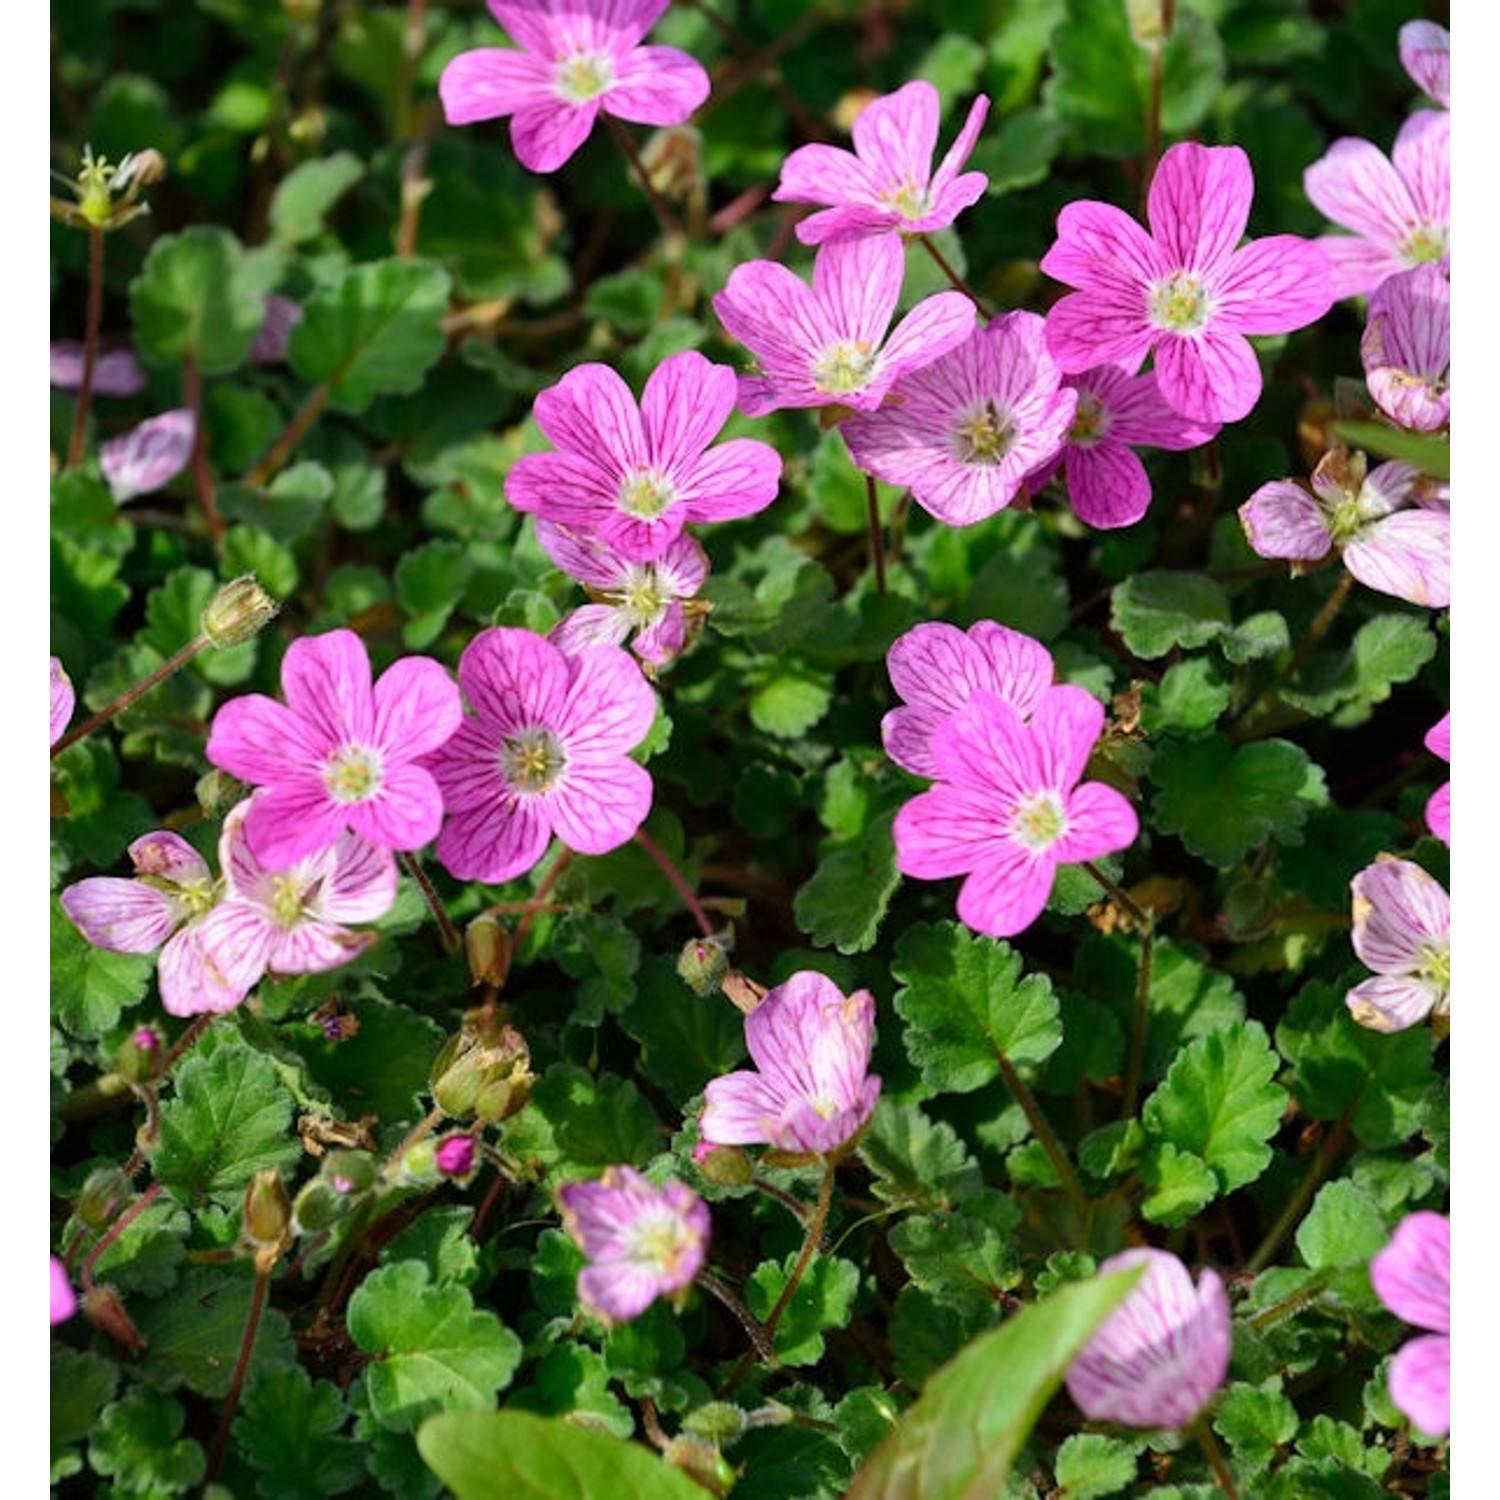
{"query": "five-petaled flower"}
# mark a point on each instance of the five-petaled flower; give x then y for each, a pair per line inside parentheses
(1184, 290)
(1411, 1276)
(813, 1093)
(1404, 348)
(642, 1242)
(887, 182)
(546, 750)
(1163, 1352)
(1401, 922)
(574, 59)
(340, 753)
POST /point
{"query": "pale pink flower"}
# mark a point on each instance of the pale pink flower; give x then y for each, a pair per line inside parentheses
(644, 599)
(1436, 740)
(936, 668)
(813, 1092)
(826, 345)
(963, 432)
(1401, 932)
(117, 372)
(1412, 1276)
(339, 754)
(1396, 208)
(1008, 809)
(148, 456)
(1107, 483)
(573, 58)
(887, 182)
(1183, 291)
(642, 1242)
(1424, 55)
(64, 1301)
(634, 476)
(63, 700)
(546, 750)
(1388, 542)
(1160, 1356)
(1405, 348)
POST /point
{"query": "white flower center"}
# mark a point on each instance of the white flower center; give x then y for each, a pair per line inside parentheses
(1090, 421)
(983, 435)
(909, 200)
(660, 1241)
(532, 760)
(1427, 242)
(286, 902)
(844, 367)
(352, 773)
(584, 76)
(1180, 303)
(645, 494)
(1039, 821)
(643, 598)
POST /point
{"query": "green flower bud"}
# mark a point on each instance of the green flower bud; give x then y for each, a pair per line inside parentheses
(102, 1307)
(719, 1422)
(348, 1172)
(726, 1165)
(268, 1211)
(105, 1192)
(703, 1463)
(218, 791)
(488, 946)
(704, 962)
(238, 612)
(484, 1070)
(1148, 20)
(139, 1056)
(419, 1164)
(316, 1206)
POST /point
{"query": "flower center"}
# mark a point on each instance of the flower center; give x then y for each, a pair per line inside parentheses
(1427, 242)
(845, 367)
(1179, 303)
(1432, 968)
(643, 598)
(1039, 821)
(584, 76)
(286, 902)
(646, 494)
(909, 200)
(660, 1241)
(532, 760)
(1350, 516)
(983, 436)
(1090, 421)
(352, 773)
(824, 1109)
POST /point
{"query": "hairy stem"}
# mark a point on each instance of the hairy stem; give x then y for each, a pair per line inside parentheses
(203, 480)
(1222, 1476)
(877, 544)
(452, 942)
(742, 1315)
(1046, 1136)
(670, 228)
(952, 275)
(115, 1230)
(679, 884)
(281, 450)
(90, 347)
(173, 663)
(241, 1367)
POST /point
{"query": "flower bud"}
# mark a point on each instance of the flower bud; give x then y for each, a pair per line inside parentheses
(727, 1166)
(238, 612)
(218, 791)
(138, 1057)
(488, 946)
(455, 1155)
(103, 1308)
(419, 1165)
(718, 1422)
(704, 962)
(268, 1211)
(105, 1192)
(484, 1070)
(349, 1172)
(316, 1206)
(673, 158)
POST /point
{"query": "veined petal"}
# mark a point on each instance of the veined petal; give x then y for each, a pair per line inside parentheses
(1007, 891)
(194, 981)
(1100, 248)
(123, 916)
(261, 741)
(417, 706)
(588, 626)
(1419, 1382)
(656, 86)
(496, 842)
(1390, 1002)
(897, 134)
(405, 813)
(1107, 485)
(1085, 329)
(292, 821)
(1282, 520)
(567, 488)
(360, 885)
(826, 174)
(1274, 285)
(1412, 1274)
(314, 947)
(326, 680)
(1199, 204)
(1065, 726)
(1400, 911)
(1424, 48)
(467, 768)
(1210, 377)
(513, 679)
(945, 180)
(546, 132)
(610, 706)
(490, 82)
(740, 1109)
(148, 456)
(1355, 185)
(1420, 156)
(946, 831)
(171, 857)
(592, 412)
(1099, 821)
(858, 281)
(730, 480)
(1405, 555)
(1139, 414)
(686, 401)
(934, 326)
(600, 804)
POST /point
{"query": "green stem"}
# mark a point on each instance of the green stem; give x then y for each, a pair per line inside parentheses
(539, 900)
(452, 942)
(679, 884)
(1296, 1206)
(1046, 1136)
(115, 1230)
(281, 450)
(953, 276)
(90, 348)
(1268, 1317)
(877, 546)
(174, 663)
(742, 1315)
(1137, 1060)
(1222, 1476)
(237, 1380)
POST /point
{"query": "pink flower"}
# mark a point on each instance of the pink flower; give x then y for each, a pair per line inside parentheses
(813, 1093)
(635, 476)
(281, 316)
(1008, 808)
(642, 1242)
(826, 345)
(1436, 740)
(117, 372)
(887, 182)
(1108, 485)
(546, 751)
(1401, 932)
(1411, 1276)
(1184, 290)
(1424, 55)
(1163, 1352)
(64, 1302)
(575, 58)
(1389, 546)
(339, 754)
(1396, 208)
(936, 668)
(149, 456)
(1405, 348)
(963, 432)
(649, 599)
(63, 700)
(455, 1156)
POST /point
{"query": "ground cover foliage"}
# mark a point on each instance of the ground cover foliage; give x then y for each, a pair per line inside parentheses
(330, 1208)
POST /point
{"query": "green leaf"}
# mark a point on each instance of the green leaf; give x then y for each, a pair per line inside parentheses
(480, 1455)
(1191, 696)
(248, 549)
(574, 1378)
(603, 954)
(136, 1443)
(429, 583)
(1179, 1184)
(1219, 1102)
(376, 331)
(966, 1429)
(1386, 651)
(83, 1383)
(824, 1299)
(842, 903)
(287, 1429)
(1344, 1227)
(967, 1257)
(1224, 801)
(598, 1121)
(966, 1006)
(433, 1350)
(1156, 611)
(917, 1164)
(787, 702)
(148, 1251)
(1256, 1420)
(304, 196)
(229, 1117)
(1020, 153)
(1429, 454)
(91, 986)
(383, 1068)
(685, 1039)
(1090, 1465)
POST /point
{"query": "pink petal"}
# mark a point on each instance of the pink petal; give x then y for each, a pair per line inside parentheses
(1085, 329)
(417, 707)
(405, 813)
(566, 488)
(314, 947)
(1390, 1002)
(326, 680)
(467, 768)
(1100, 822)
(988, 751)
(1100, 248)
(825, 174)
(360, 885)
(1107, 485)
(686, 401)
(194, 981)
(1199, 204)
(600, 805)
(63, 700)
(592, 412)
(945, 831)
(1424, 48)
(1399, 911)
(580, 554)
(260, 741)
(490, 82)
(1359, 266)
(897, 134)
(946, 183)
(656, 86)
(1275, 285)
(1065, 726)
(148, 456)
(1138, 413)
(1209, 377)
(495, 843)
(1438, 812)
(610, 707)
(858, 282)
(1412, 1274)
(1419, 1383)
(1437, 739)
(291, 821)
(588, 626)
(122, 916)
(514, 679)
(730, 480)
(1405, 555)
(63, 1300)
(740, 1109)
(1007, 891)
(1282, 520)
(933, 327)
(1355, 185)
(171, 857)
(1421, 156)
(545, 133)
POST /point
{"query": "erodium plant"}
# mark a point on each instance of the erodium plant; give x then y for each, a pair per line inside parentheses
(754, 802)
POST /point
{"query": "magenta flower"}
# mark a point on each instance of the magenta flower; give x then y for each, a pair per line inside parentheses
(814, 1093)
(1388, 544)
(63, 700)
(1405, 348)
(1401, 932)
(545, 751)
(455, 1156)
(1412, 1277)
(963, 432)
(574, 59)
(340, 754)
(1396, 208)
(1163, 1352)
(650, 599)
(1008, 808)
(936, 668)
(117, 372)
(826, 345)
(642, 1242)
(634, 476)
(1183, 291)
(887, 182)
(1436, 740)
(1108, 486)
(1424, 55)
(148, 456)
(64, 1302)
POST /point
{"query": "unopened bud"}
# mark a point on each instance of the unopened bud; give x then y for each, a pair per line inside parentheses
(488, 946)
(703, 1463)
(455, 1155)
(103, 1308)
(727, 1166)
(238, 612)
(218, 791)
(1148, 20)
(349, 1171)
(673, 158)
(719, 1422)
(704, 962)
(138, 1057)
(106, 1190)
(419, 1164)
(268, 1210)
(316, 1206)
(484, 1070)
